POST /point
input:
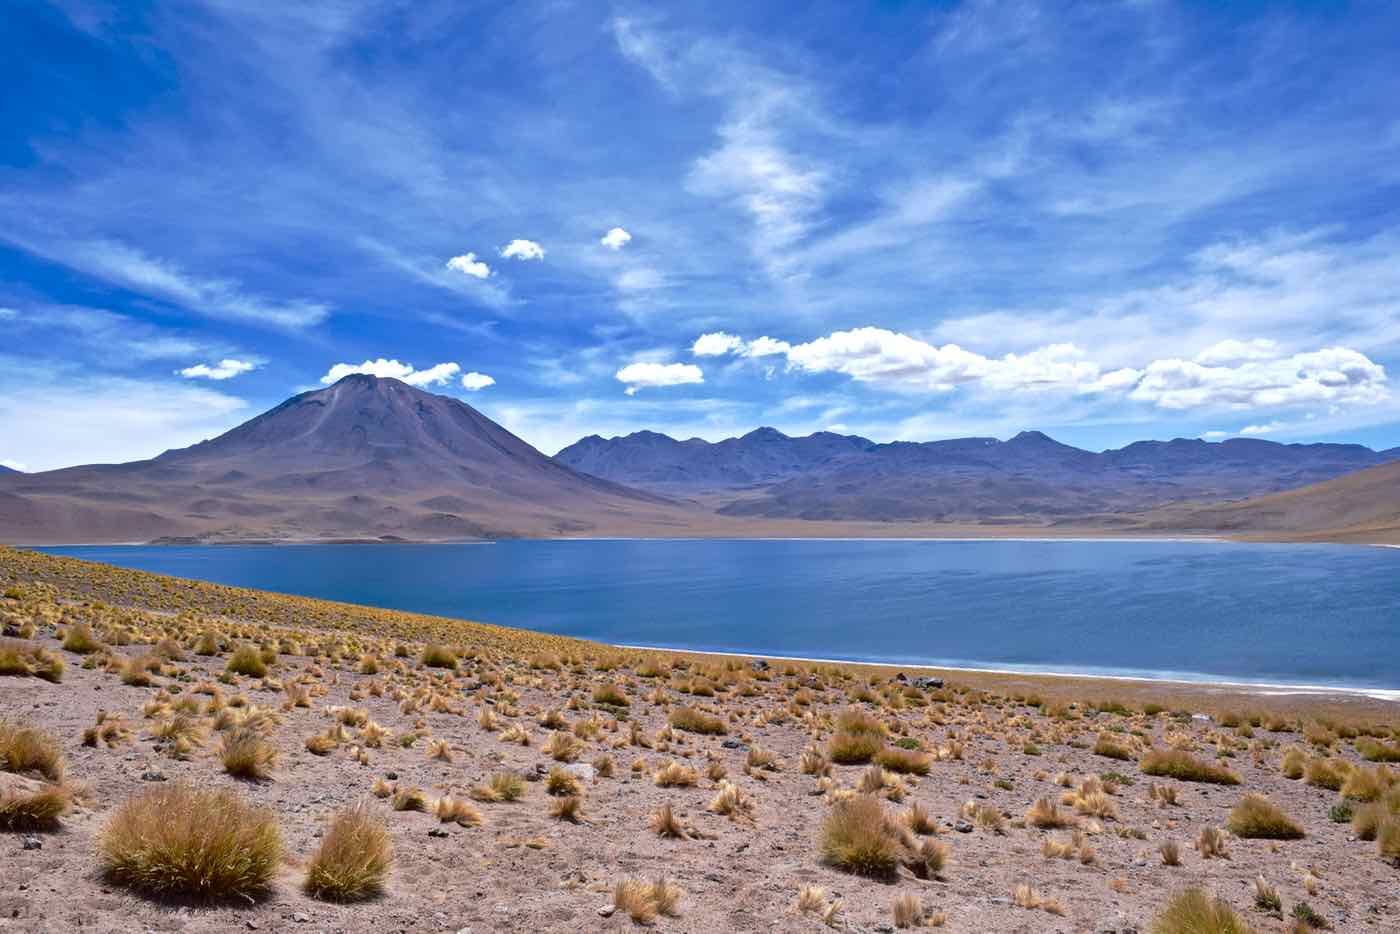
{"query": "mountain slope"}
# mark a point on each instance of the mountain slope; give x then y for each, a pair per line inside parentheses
(1359, 507)
(366, 457)
(1028, 478)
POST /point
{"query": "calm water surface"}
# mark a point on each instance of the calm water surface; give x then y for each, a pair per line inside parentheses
(1310, 614)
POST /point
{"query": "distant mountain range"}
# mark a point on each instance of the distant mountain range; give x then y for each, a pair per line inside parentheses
(4, 469)
(1030, 477)
(376, 459)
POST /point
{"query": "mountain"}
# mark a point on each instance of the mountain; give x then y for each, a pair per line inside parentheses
(1028, 478)
(5, 470)
(364, 458)
(1359, 507)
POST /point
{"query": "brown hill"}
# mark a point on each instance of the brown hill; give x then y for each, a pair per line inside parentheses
(1359, 507)
(364, 458)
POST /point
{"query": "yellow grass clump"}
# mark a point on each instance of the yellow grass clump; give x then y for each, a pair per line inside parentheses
(176, 839)
(354, 856)
(1194, 912)
(1181, 765)
(1256, 817)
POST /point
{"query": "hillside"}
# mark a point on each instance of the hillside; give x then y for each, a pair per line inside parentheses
(364, 458)
(1360, 507)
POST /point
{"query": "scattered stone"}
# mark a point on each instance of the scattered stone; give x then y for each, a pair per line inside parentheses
(963, 826)
(758, 664)
(32, 842)
(606, 911)
(733, 744)
(153, 775)
(437, 832)
(301, 918)
(582, 771)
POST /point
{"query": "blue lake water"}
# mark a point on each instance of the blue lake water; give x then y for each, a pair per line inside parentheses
(1298, 614)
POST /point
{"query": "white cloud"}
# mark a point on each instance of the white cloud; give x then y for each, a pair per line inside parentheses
(523, 250)
(1233, 351)
(640, 279)
(14, 465)
(224, 369)
(615, 239)
(216, 298)
(53, 420)
(875, 355)
(720, 343)
(717, 344)
(1259, 429)
(1215, 434)
(649, 375)
(475, 381)
(7, 313)
(1333, 376)
(392, 369)
(469, 265)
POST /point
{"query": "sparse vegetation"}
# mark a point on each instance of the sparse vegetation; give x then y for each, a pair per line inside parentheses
(354, 856)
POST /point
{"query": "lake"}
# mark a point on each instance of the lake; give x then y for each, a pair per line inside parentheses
(1294, 614)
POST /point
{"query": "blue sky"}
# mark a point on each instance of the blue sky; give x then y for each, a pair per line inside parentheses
(904, 220)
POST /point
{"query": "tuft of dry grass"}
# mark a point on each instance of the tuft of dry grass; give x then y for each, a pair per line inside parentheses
(501, 786)
(175, 839)
(904, 761)
(858, 837)
(247, 660)
(1108, 745)
(438, 656)
(1046, 816)
(675, 774)
(27, 750)
(731, 801)
(354, 856)
(1171, 853)
(1256, 817)
(696, 721)
(643, 901)
(1210, 843)
(80, 641)
(410, 799)
(458, 811)
(568, 807)
(908, 910)
(563, 747)
(1181, 765)
(245, 753)
(1194, 912)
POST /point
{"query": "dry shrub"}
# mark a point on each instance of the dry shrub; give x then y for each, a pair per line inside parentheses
(1171, 853)
(904, 761)
(918, 819)
(175, 839)
(21, 658)
(353, 858)
(853, 748)
(563, 747)
(1256, 817)
(1046, 816)
(569, 808)
(438, 656)
(30, 804)
(1108, 745)
(1194, 912)
(695, 721)
(1324, 773)
(643, 901)
(458, 811)
(665, 823)
(1210, 842)
(27, 750)
(247, 660)
(1388, 839)
(858, 837)
(501, 786)
(561, 782)
(80, 641)
(1181, 765)
(731, 801)
(246, 754)
(610, 694)
(675, 774)
(410, 799)
(908, 911)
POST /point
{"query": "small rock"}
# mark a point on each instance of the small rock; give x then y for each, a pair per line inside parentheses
(153, 775)
(606, 911)
(437, 832)
(392, 776)
(32, 842)
(963, 826)
(301, 918)
(758, 664)
(732, 744)
(252, 925)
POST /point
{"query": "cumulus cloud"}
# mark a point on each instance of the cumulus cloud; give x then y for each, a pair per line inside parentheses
(468, 265)
(1259, 429)
(522, 249)
(720, 343)
(1334, 375)
(1233, 351)
(615, 239)
(1255, 374)
(716, 344)
(392, 369)
(650, 375)
(475, 381)
(224, 369)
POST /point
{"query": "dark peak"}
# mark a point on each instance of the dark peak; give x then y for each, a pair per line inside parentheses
(764, 434)
(1032, 437)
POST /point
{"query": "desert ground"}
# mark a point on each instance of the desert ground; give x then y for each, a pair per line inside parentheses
(181, 756)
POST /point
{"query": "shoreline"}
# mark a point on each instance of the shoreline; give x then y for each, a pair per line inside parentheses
(1263, 688)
